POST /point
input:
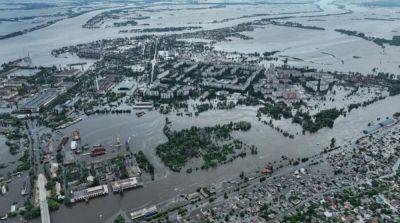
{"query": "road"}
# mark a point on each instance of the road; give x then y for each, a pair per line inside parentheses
(34, 141)
(44, 208)
(394, 169)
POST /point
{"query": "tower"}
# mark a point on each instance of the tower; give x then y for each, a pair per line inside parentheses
(97, 84)
(153, 62)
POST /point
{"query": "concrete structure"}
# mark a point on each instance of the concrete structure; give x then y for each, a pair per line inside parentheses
(69, 73)
(143, 105)
(167, 95)
(124, 184)
(323, 86)
(312, 85)
(44, 208)
(89, 193)
(374, 128)
(223, 84)
(39, 101)
(68, 157)
(289, 94)
(126, 85)
(8, 94)
(90, 53)
(105, 84)
(145, 212)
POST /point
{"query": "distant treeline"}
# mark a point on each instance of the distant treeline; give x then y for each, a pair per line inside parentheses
(395, 41)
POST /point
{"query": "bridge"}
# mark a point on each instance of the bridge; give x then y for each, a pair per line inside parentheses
(44, 207)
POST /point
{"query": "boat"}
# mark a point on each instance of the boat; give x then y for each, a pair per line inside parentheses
(75, 135)
(24, 189)
(74, 145)
(268, 169)
(50, 146)
(118, 141)
(3, 189)
(127, 145)
(98, 151)
(140, 114)
(63, 142)
(5, 217)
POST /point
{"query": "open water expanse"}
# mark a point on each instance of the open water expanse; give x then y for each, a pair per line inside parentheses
(325, 49)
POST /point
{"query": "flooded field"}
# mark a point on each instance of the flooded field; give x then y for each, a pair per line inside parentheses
(303, 47)
(322, 49)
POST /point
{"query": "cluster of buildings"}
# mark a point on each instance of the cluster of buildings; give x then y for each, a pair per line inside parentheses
(9, 90)
(166, 71)
(12, 78)
(232, 77)
(293, 84)
(25, 89)
(355, 182)
(101, 190)
(89, 188)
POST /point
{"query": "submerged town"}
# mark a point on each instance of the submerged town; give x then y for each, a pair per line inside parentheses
(159, 123)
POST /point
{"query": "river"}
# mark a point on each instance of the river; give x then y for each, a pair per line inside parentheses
(148, 133)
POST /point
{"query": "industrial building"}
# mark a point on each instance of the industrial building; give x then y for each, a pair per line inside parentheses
(89, 193)
(105, 84)
(374, 128)
(39, 101)
(125, 184)
(90, 53)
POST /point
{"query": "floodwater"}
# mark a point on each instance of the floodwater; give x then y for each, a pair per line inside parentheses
(326, 50)
(147, 133)
(5, 155)
(13, 188)
(322, 49)
(38, 44)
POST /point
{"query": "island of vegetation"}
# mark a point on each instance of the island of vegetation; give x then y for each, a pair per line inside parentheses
(214, 145)
(163, 29)
(296, 25)
(144, 163)
(395, 41)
